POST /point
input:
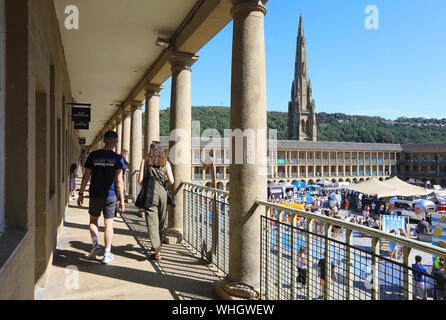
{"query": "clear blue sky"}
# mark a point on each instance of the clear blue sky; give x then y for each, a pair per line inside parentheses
(397, 70)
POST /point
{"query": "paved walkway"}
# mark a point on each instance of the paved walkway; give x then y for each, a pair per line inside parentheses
(180, 275)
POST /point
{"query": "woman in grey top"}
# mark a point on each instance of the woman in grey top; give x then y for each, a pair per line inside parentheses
(156, 165)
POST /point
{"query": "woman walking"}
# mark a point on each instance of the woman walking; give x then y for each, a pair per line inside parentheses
(156, 165)
(302, 267)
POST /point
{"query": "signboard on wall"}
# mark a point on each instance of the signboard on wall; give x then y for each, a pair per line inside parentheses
(81, 114)
(82, 141)
(81, 125)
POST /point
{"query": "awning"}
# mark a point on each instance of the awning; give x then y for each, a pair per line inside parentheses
(406, 189)
(374, 187)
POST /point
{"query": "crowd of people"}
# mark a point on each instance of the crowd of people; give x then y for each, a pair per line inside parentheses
(365, 211)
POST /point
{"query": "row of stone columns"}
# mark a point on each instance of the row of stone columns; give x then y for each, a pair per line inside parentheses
(248, 181)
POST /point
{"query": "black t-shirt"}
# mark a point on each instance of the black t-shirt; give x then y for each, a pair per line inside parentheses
(321, 265)
(103, 165)
(440, 281)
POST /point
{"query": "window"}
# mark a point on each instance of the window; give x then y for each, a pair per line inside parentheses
(2, 113)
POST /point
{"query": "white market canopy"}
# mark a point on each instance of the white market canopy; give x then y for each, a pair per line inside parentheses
(389, 188)
(374, 187)
(406, 189)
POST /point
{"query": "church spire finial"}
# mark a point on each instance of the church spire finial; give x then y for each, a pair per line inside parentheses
(301, 26)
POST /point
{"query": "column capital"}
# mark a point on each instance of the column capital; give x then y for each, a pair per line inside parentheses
(119, 118)
(136, 104)
(126, 110)
(182, 60)
(242, 8)
(152, 89)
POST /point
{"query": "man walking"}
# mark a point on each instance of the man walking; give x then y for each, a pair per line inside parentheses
(321, 271)
(418, 279)
(105, 168)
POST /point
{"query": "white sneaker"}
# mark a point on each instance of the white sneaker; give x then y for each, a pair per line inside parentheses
(94, 251)
(108, 257)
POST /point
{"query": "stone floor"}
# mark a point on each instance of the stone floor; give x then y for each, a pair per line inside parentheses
(180, 275)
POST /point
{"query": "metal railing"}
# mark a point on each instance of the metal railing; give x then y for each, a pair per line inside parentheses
(336, 267)
(354, 271)
(206, 223)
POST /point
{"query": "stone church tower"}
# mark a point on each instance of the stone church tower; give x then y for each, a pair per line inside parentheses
(301, 108)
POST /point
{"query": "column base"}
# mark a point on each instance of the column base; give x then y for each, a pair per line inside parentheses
(173, 236)
(227, 290)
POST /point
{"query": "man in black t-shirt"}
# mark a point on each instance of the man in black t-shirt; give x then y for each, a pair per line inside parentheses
(105, 168)
(321, 270)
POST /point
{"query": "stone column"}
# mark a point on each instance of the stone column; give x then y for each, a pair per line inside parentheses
(125, 145)
(119, 132)
(135, 146)
(248, 181)
(126, 124)
(180, 145)
(114, 128)
(152, 115)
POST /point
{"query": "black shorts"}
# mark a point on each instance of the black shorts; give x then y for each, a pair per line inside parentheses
(106, 205)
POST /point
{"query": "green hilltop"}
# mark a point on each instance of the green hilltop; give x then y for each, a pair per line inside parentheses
(331, 126)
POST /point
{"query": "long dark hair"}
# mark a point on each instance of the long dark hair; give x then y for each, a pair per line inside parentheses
(156, 156)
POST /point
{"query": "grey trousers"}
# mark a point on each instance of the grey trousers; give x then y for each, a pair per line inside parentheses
(156, 217)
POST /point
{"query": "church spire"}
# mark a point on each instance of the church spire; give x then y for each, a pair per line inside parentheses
(301, 109)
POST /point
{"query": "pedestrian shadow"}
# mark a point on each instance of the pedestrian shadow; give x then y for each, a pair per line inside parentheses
(200, 289)
(123, 251)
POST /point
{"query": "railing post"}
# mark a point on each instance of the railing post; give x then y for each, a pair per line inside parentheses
(375, 268)
(310, 272)
(186, 212)
(327, 256)
(215, 226)
(407, 274)
(349, 265)
(268, 232)
(293, 256)
(279, 253)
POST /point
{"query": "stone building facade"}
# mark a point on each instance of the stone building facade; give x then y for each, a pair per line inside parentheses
(333, 161)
